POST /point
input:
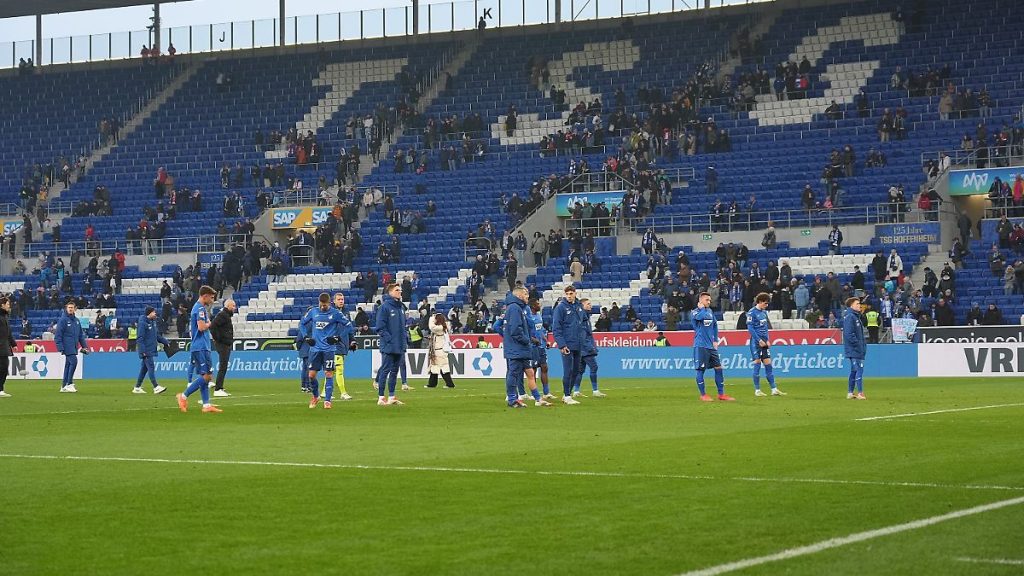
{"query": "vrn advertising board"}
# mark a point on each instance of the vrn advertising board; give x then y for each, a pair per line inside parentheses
(310, 217)
(978, 181)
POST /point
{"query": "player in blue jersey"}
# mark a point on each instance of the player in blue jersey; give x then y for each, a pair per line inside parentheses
(588, 353)
(199, 327)
(540, 348)
(705, 348)
(760, 344)
(854, 348)
(323, 324)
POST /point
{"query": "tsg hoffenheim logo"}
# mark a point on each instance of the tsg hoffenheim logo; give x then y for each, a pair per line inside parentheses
(39, 366)
(482, 363)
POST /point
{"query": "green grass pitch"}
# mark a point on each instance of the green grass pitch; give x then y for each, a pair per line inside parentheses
(647, 481)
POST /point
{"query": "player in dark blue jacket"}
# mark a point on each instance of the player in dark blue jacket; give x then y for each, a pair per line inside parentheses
(518, 347)
(854, 348)
(760, 344)
(146, 340)
(390, 328)
(303, 348)
(565, 323)
(588, 353)
(68, 337)
(705, 348)
(323, 324)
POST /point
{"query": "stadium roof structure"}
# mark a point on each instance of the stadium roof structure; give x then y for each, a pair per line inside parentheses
(15, 9)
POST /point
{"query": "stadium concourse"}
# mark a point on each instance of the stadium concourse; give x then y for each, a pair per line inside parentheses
(425, 133)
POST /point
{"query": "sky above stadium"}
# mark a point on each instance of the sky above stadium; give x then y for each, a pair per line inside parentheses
(198, 12)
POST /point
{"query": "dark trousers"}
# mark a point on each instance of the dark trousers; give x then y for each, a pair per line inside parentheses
(571, 366)
(432, 381)
(5, 367)
(224, 354)
(70, 364)
(873, 334)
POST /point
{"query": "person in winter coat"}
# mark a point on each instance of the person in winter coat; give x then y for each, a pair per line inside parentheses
(518, 346)
(801, 299)
(539, 247)
(69, 337)
(440, 345)
(588, 352)
(147, 338)
(223, 334)
(854, 348)
(565, 324)
(390, 327)
(894, 265)
(7, 343)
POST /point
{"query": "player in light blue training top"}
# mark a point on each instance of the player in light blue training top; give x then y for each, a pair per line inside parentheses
(760, 344)
(199, 325)
(705, 348)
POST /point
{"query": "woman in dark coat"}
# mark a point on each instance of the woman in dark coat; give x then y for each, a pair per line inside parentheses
(7, 343)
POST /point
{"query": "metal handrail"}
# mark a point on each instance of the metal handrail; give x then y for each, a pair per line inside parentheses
(311, 196)
(211, 243)
(883, 213)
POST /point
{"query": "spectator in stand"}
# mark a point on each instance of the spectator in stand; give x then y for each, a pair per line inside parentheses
(944, 315)
(711, 180)
(974, 315)
(835, 240)
(769, 240)
(993, 316)
(807, 197)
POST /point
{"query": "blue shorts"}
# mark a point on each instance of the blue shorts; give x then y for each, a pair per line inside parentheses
(203, 362)
(705, 358)
(319, 360)
(758, 353)
(540, 358)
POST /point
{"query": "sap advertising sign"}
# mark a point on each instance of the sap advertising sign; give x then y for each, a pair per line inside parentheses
(11, 226)
(971, 360)
(978, 181)
(285, 218)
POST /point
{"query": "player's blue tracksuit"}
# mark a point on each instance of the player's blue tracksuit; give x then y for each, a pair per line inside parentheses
(390, 327)
(516, 342)
(323, 327)
(303, 349)
(540, 348)
(68, 337)
(854, 348)
(566, 323)
(588, 353)
(146, 340)
(705, 356)
(757, 327)
(201, 355)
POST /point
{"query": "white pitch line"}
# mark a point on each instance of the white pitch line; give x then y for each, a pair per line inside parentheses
(570, 473)
(1002, 561)
(910, 414)
(852, 539)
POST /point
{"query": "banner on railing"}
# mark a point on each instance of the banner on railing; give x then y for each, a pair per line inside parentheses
(921, 233)
(968, 334)
(309, 217)
(95, 344)
(903, 329)
(565, 203)
(208, 259)
(979, 180)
